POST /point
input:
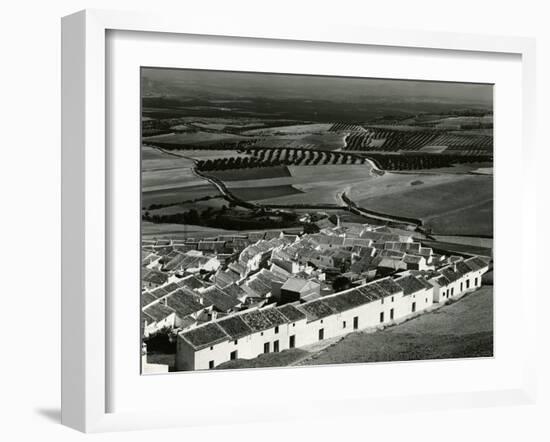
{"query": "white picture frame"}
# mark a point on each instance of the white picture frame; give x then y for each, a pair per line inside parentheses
(85, 202)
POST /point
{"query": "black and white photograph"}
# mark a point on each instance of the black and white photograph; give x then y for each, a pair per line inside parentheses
(299, 220)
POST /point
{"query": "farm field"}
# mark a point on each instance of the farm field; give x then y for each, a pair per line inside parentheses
(449, 204)
(463, 329)
(168, 178)
(173, 195)
(154, 159)
(206, 154)
(203, 138)
(250, 174)
(470, 220)
(314, 184)
(321, 141)
(290, 129)
(264, 193)
(467, 240)
(178, 231)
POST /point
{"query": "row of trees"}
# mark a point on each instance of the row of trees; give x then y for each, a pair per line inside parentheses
(304, 157)
(279, 157)
(423, 161)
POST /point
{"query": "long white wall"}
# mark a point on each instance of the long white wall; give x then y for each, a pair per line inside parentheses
(307, 333)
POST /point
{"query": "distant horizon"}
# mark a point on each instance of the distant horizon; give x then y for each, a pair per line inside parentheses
(191, 83)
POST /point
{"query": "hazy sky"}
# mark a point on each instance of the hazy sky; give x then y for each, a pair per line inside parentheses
(245, 85)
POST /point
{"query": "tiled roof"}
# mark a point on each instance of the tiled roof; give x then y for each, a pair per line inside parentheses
(315, 310)
(147, 298)
(184, 303)
(476, 263)
(234, 290)
(462, 268)
(154, 276)
(274, 316)
(410, 284)
(291, 312)
(372, 291)
(191, 282)
(205, 335)
(221, 300)
(235, 327)
(345, 300)
(450, 274)
(295, 284)
(257, 321)
(157, 311)
(389, 285)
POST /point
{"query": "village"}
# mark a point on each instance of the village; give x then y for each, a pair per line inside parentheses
(239, 296)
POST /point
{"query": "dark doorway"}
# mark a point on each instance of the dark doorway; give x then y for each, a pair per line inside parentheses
(356, 322)
(292, 341)
(321, 334)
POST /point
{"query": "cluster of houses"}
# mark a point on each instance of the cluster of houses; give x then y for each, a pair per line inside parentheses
(238, 296)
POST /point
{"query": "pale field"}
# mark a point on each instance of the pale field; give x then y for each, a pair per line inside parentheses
(169, 178)
(322, 141)
(290, 130)
(317, 184)
(150, 230)
(155, 160)
(467, 240)
(194, 138)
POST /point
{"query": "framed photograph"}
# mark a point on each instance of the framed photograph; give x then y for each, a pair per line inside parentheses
(250, 209)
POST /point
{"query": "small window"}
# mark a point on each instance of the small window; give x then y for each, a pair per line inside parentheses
(211, 364)
(426, 300)
(293, 324)
(392, 299)
(277, 329)
(236, 341)
(413, 307)
(262, 333)
(382, 301)
(344, 324)
(211, 348)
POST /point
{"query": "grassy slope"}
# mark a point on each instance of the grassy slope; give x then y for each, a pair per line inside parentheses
(461, 330)
(281, 359)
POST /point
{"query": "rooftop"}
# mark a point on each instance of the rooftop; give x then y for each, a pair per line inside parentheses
(410, 284)
(235, 327)
(291, 312)
(315, 310)
(205, 335)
